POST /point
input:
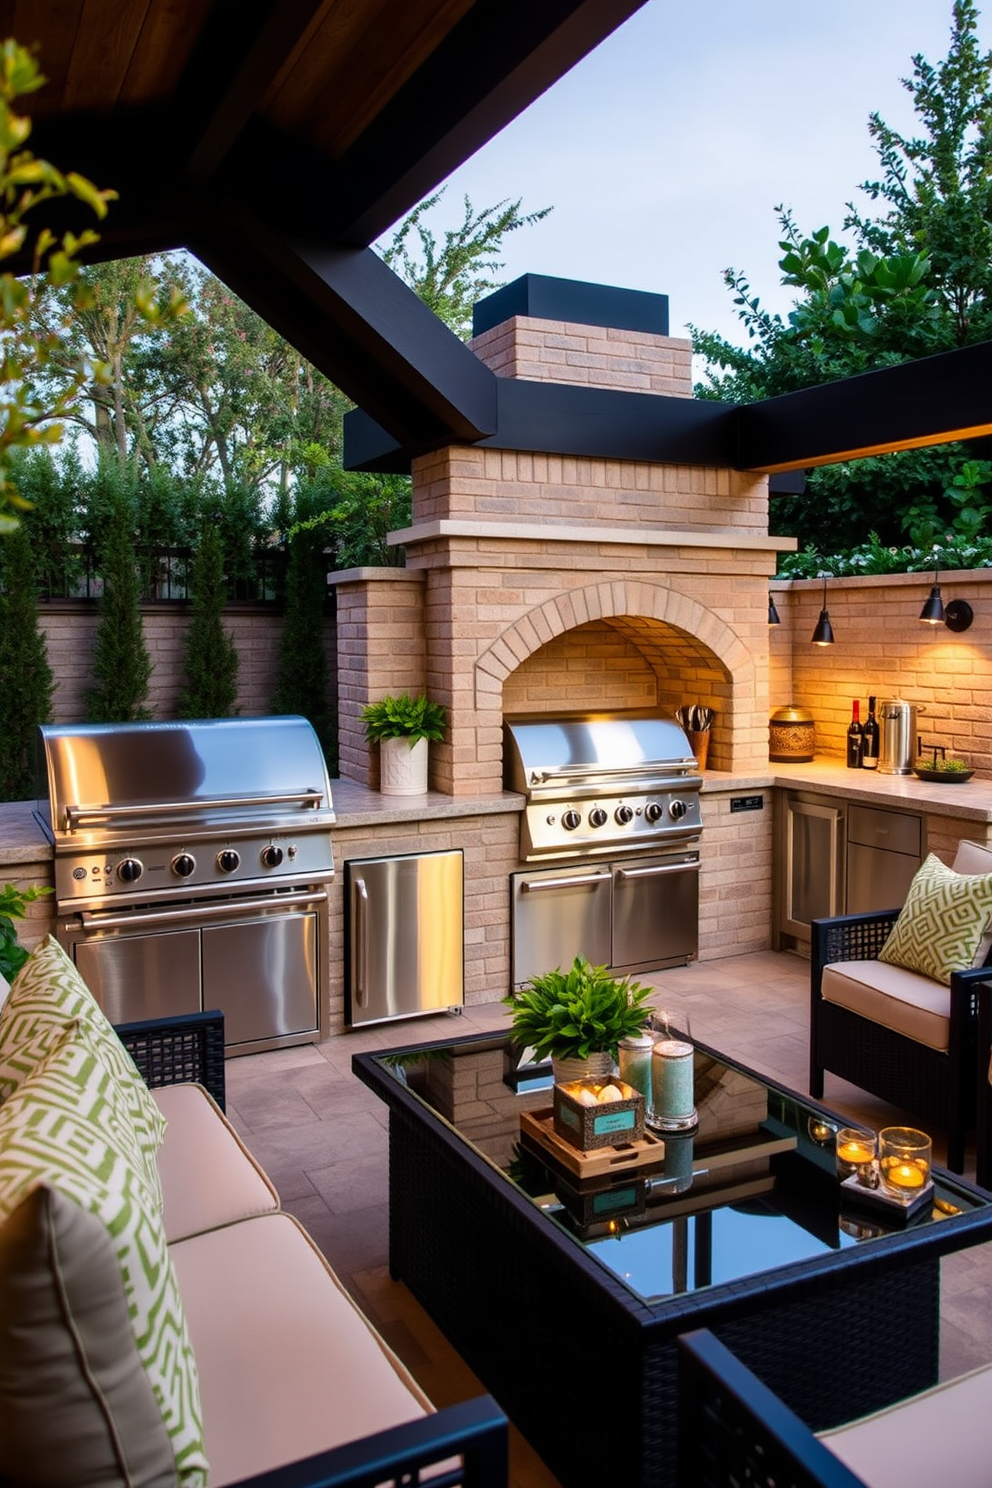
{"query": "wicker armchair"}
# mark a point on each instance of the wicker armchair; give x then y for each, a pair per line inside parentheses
(734, 1430)
(912, 1042)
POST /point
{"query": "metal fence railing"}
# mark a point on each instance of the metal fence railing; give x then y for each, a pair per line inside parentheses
(163, 576)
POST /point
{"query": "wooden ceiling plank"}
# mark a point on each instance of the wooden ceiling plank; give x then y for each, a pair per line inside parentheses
(51, 32)
(167, 37)
(104, 46)
(307, 84)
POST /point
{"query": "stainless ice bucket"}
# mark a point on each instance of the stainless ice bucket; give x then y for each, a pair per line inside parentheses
(897, 745)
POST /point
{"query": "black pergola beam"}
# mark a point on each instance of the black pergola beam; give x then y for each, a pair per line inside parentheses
(559, 418)
(360, 325)
(926, 402)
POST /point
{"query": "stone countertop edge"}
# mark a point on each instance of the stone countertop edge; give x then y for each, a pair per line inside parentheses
(355, 805)
(970, 801)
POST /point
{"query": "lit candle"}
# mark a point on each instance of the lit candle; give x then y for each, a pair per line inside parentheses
(855, 1150)
(904, 1161)
(856, 1153)
(905, 1175)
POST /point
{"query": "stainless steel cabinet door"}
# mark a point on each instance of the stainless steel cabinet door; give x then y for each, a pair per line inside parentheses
(262, 974)
(142, 976)
(813, 879)
(558, 913)
(655, 912)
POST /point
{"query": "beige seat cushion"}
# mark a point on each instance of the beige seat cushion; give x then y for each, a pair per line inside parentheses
(899, 999)
(972, 857)
(937, 1438)
(288, 1365)
(208, 1177)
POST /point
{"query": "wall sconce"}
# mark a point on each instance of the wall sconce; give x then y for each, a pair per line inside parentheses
(957, 615)
(823, 635)
(773, 617)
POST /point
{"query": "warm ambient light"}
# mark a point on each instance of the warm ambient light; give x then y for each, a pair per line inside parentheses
(823, 635)
(773, 618)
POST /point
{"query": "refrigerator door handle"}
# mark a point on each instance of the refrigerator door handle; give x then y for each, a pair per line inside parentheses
(362, 946)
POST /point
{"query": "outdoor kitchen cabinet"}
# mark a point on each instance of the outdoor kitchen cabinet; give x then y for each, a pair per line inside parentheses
(837, 857)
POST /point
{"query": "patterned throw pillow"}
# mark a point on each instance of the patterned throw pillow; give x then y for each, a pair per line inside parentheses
(941, 925)
(59, 1131)
(47, 994)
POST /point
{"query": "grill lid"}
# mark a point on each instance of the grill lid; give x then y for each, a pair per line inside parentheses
(544, 755)
(109, 776)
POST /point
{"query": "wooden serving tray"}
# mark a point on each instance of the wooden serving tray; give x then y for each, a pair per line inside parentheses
(537, 1128)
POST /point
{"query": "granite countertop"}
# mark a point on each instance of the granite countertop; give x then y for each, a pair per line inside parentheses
(357, 806)
(21, 838)
(970, 801)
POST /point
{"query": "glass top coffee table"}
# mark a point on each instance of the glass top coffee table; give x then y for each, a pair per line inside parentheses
(564, 1289)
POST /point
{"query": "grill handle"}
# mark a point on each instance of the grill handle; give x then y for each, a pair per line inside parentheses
(97, 920)
(539, 885)
(646, 770)
(656, 869)
(362, 940)
(75, 816)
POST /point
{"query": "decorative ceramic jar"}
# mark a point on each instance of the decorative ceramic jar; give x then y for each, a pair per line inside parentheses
(402, 770)
(791, 735)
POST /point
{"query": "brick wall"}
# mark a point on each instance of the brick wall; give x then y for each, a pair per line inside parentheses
(70, 630)
(881, 648)
(593, 356)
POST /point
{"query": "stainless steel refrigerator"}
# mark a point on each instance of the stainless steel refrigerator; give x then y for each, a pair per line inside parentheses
(404, 936)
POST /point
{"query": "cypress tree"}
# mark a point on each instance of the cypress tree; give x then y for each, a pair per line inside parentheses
(301, 686)
(211, 657)
(122, 668)
(26, 681)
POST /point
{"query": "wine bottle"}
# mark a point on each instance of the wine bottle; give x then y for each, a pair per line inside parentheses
(870, 737)
(855, 737)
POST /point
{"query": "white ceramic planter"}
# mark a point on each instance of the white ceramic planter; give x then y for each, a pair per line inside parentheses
(597, 1066)
(402, 770)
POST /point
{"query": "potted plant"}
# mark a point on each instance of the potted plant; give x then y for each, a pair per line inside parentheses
(578, 1017)
(402, 727)
(13, 904)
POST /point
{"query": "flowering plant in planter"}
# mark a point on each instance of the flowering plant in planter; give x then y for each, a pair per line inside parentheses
(572, 1014)
(404, 717)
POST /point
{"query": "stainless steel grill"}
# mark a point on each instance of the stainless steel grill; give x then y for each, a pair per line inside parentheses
(601, 783)
(191, 868)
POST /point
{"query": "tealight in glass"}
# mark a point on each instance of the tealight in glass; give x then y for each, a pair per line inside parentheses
(855, 1150)
(904, 1160)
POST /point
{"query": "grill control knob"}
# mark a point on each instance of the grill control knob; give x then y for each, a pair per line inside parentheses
(228, 860)
(183, 864)
(129, 870)
(597, 816)
(677, 809)
(652, 812)
(271, 856)
(624, 814)
(571, 819)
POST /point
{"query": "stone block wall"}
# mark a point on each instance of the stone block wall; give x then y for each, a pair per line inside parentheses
(592, 356)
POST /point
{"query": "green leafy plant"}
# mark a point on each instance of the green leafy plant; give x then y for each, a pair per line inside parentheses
(13, 903)
(211, 657)
(122, 667)
(578, 1012)
(404, 717)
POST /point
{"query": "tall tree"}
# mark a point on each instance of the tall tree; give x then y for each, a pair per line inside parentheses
(211, 657)
(122, 667)
(917, 280)
(26, 681)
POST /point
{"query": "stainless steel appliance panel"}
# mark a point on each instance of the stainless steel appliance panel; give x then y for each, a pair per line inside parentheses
(884, 850)
(405, 936)
(263, 974)
(655, 912)
(142, 976)
(558, 913)
(813, 884)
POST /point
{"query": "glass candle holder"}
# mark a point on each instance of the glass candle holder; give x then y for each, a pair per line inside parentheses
(634, 1061)
(904, 1159)
(673, 1106)
(855, 1149)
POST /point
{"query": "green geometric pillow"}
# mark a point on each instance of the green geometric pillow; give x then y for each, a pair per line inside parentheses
(47, 994)
(59, 1131)
(942, 922)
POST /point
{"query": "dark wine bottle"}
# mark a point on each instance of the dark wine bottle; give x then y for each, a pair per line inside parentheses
(870, 739)
(855, 737)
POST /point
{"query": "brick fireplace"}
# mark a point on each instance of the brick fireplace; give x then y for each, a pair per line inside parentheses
(538, 582)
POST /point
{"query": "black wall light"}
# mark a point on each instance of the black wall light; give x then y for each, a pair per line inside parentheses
(823, 635)
(773, 618)
(957, 615)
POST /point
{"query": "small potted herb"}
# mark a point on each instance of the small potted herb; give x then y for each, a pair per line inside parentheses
(578, 1015)
(402, 727)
